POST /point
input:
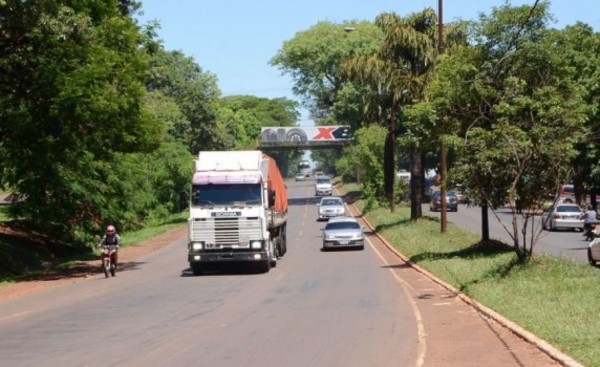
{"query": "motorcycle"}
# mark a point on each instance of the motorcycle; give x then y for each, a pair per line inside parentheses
(108, 264)
(590, 232)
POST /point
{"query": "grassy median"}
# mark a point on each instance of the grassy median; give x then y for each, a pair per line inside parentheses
(554, 298)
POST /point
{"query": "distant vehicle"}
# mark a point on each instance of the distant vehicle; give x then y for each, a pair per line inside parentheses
(323, 186)
(435, 204)
(566, 194)
(330, 207)
(300, 176)
(304, 168)
(343, 232)
(461, 194)
(563, 216)
(403, 176)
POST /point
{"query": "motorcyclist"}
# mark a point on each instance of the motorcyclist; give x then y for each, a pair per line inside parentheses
(589, 221)
(111, 239)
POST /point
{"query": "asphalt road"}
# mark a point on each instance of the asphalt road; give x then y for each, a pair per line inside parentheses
(570, 244)
(314, 309)
(338, 308)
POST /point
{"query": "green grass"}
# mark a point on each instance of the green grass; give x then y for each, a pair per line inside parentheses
(154, 229)
(554, 298)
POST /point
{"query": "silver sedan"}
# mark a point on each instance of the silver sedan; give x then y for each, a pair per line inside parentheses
(330, 207)
(343, 232)
(563, 216)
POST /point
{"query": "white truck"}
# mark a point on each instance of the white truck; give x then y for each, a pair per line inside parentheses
(238, 210)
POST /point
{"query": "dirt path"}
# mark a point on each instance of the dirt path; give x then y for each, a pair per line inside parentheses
(83, 270)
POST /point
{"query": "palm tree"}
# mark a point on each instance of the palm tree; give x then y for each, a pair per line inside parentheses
(398, 76)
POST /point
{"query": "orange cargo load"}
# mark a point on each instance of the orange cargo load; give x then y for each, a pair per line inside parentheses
(275, 182)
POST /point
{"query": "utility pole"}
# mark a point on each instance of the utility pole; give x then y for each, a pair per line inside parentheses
(443, 170)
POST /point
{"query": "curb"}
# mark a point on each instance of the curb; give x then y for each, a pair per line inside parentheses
(541, 344)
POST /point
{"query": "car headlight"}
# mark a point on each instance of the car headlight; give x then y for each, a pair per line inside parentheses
(197, 246)
(256, 245)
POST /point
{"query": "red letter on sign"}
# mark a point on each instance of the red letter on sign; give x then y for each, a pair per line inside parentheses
(325, 133)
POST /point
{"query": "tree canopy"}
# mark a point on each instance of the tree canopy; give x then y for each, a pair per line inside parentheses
(512, 99)
(71, 100)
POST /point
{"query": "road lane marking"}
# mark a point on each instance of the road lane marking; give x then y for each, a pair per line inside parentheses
(422, 344)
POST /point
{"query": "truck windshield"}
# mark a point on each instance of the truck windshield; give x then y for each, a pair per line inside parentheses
(226, 195)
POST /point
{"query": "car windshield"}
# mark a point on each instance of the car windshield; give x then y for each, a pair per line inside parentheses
(342, 225)
(328, 202)
(321, 180)
(567, 208)
(226, 195)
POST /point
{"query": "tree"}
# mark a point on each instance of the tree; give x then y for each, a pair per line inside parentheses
(312, 58)
(242, 117)
(397, 75)
(369, 151)
(166, 109)
(512, 99)
(71, 100)
(580, 46)
(195, 92)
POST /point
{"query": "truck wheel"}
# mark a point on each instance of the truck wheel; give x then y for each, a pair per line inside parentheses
(280, 247)
(196, 268)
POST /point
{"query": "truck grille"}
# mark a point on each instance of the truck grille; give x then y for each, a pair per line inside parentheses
(226, 232)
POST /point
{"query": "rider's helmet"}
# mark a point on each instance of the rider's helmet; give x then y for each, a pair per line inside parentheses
(110, 230)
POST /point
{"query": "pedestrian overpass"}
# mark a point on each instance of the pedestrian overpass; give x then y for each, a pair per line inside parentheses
(305, 137)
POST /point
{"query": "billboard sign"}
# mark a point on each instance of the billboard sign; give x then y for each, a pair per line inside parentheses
(305, 135)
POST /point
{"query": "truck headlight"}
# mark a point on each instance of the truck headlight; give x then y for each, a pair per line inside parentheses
(197, 246)
(255, 245)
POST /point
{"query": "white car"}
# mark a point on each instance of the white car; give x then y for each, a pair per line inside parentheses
(330, 207)
(323, 186)
(563, 216)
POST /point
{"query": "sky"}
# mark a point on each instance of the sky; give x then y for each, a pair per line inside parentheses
(235, 39)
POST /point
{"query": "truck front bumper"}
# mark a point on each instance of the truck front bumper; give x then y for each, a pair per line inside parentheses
(226, 256)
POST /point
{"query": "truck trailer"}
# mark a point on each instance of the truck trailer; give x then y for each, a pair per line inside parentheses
(238, 210)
